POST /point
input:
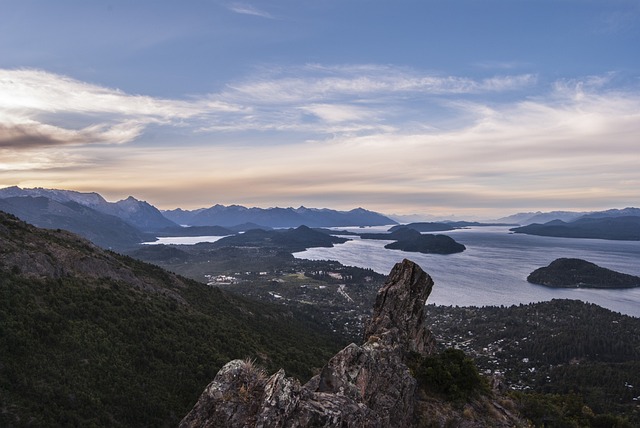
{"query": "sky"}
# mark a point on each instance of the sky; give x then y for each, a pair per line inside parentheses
(472, 108)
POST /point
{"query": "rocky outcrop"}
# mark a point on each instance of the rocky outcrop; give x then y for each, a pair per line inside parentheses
(362, 386)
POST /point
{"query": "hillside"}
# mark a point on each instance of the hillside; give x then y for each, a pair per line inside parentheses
(558, 356)
(102, 229)
(624, 228)
(92, 338)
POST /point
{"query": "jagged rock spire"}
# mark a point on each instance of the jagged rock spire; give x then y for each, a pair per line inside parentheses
(399, 312)
(368, 385)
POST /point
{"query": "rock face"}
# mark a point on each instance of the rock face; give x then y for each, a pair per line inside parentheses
(362, 386)
(367, 385)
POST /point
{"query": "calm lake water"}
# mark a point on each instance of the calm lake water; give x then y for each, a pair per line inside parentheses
(183, 240)
(495, 265)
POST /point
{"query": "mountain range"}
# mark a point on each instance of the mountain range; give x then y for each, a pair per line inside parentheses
(526, 218)
(128, 222)
(622, 228)
(232, 215)
(139, 214)
(105, 230)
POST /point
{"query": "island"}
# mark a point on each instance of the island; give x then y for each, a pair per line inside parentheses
(293, 240)
(407, 239)
(578, 273)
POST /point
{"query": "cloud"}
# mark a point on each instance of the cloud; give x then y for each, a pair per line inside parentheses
(380, 137)
(31, 134)
(245, 9)
(38, 108)
(334, 113)
(550, 152)
(315, 82)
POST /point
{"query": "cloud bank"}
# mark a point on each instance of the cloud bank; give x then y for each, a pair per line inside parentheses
(387, 138)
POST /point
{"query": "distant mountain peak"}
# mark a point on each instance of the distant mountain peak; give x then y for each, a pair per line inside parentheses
(139, 214)
(232, 215)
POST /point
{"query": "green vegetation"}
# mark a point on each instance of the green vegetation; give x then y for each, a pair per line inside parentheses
(552, 349)
(83, 353)
(450, 374)
(570, 411)
(92, 338)
(80, 349)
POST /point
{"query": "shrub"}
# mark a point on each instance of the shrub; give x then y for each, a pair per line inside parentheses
(451, 374)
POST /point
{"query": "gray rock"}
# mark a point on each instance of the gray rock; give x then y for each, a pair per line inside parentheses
(361, 386)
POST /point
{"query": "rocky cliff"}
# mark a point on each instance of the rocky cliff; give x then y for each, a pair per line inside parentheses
(370, 385)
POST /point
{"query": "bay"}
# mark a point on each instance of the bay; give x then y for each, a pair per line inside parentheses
(493, 269)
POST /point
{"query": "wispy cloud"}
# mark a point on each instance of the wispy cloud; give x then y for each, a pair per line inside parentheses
(335, 113)
(246, 9)
(315, 82)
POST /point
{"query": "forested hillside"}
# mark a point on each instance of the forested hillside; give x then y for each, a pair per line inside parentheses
(92, 338)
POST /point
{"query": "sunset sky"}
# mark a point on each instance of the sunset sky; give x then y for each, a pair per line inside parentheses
(470, 107)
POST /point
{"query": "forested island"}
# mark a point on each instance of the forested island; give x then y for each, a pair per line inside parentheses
(411, 240)
(578, 273)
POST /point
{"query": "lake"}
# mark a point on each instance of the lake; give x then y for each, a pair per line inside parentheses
(495, 265)
(183, 240)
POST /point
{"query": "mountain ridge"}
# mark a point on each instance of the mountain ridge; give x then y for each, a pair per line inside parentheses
(106, 230)
(232, 215)
(139, 214)
(622, 228)
(526, 218)
(129, 222)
